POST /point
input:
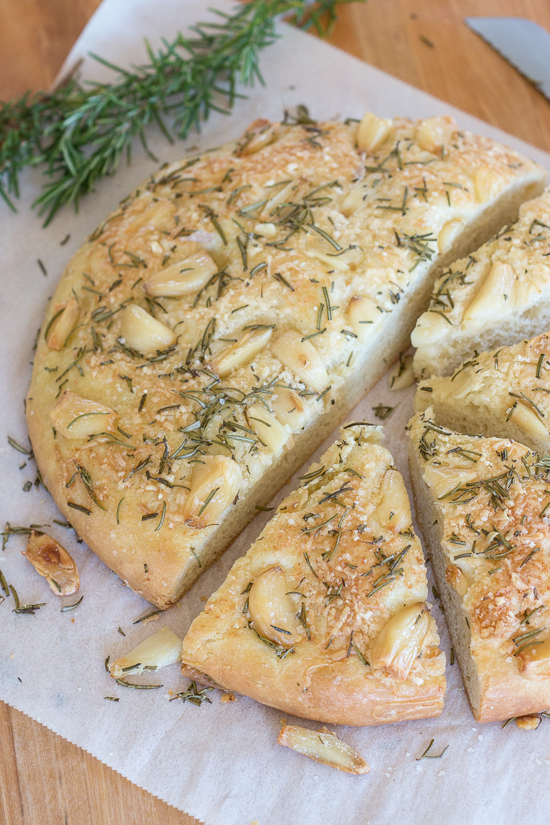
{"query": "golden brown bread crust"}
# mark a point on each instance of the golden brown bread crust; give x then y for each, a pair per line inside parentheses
(296, 230)
(494, 585)
(347, 598)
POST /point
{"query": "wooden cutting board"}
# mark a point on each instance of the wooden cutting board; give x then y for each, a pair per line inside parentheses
(45, 780)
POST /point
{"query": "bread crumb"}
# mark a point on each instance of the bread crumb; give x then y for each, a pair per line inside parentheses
(227, 697)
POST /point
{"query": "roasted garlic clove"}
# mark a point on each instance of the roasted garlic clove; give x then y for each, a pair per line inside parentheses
(51, 560)
(63, 325)
(364, 316)
(434, 133)
(288, 407)
(266, 230)
(144, 333)
(282, 199)
(372, 132)
(323, 746)
(457, 578)
(241, 352)
(159, 650)
(429, 329)
(184, 278)
(272, 612)
(528, 421)
(441, 480)
(447, 234)
(332, 262)
(487, 184)
(402, 375)
(394, 511)
(528, 722)
(535, 660)
(494, 299)
(302, 358)
(157, 215)
(75, 417)
(258, 135)
(400, 640)
(214, 484)
(352, 201)
(268, 429)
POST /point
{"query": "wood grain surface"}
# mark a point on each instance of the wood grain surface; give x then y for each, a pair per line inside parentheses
(45, 780)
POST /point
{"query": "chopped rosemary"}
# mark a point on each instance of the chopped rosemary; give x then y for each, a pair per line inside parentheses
(67, 607)
(427, 755)
(193, 695)
(132, 686)
(382, 411)
(147, 616)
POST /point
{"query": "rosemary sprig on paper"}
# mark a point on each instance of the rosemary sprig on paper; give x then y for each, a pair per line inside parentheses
(81, 130)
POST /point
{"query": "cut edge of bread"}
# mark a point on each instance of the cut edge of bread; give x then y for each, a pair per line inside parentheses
(429, 521)
(494, 691)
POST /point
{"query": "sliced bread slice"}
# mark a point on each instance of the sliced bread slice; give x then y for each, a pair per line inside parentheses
(326, 615)
(503, 393)
(497, 296)
(482, 504)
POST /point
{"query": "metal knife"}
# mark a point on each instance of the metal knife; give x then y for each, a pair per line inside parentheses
(523, 43)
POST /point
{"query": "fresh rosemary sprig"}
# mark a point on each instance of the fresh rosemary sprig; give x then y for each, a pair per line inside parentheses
(81, 130)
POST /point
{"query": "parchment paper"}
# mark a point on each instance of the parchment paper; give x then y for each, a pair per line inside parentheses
(220, 762)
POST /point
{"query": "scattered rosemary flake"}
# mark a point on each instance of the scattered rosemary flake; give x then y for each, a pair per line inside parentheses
(193, 695)
(382, 411)
(427, 755)
(147, 616)
(132, 686)
(67, 607)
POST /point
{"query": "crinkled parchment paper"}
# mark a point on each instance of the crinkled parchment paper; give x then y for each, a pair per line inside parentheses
(220, 762)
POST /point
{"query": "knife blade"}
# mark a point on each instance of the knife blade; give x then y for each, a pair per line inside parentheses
(522, 42)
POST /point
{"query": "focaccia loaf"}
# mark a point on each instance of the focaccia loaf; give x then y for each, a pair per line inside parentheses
(217, 326)
(495, 297)
(325, 616)
(503, 393)
(482, 505)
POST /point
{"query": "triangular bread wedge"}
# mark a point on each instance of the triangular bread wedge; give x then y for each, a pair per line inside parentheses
(483, 506)
(325, 617)
(226, 317)
(503, 393)
(497, 296)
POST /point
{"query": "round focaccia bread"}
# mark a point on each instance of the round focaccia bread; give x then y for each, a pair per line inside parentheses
(217, 326)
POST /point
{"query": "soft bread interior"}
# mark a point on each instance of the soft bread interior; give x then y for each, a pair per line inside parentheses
(430, 520)
(448, 354)
(477, 419)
